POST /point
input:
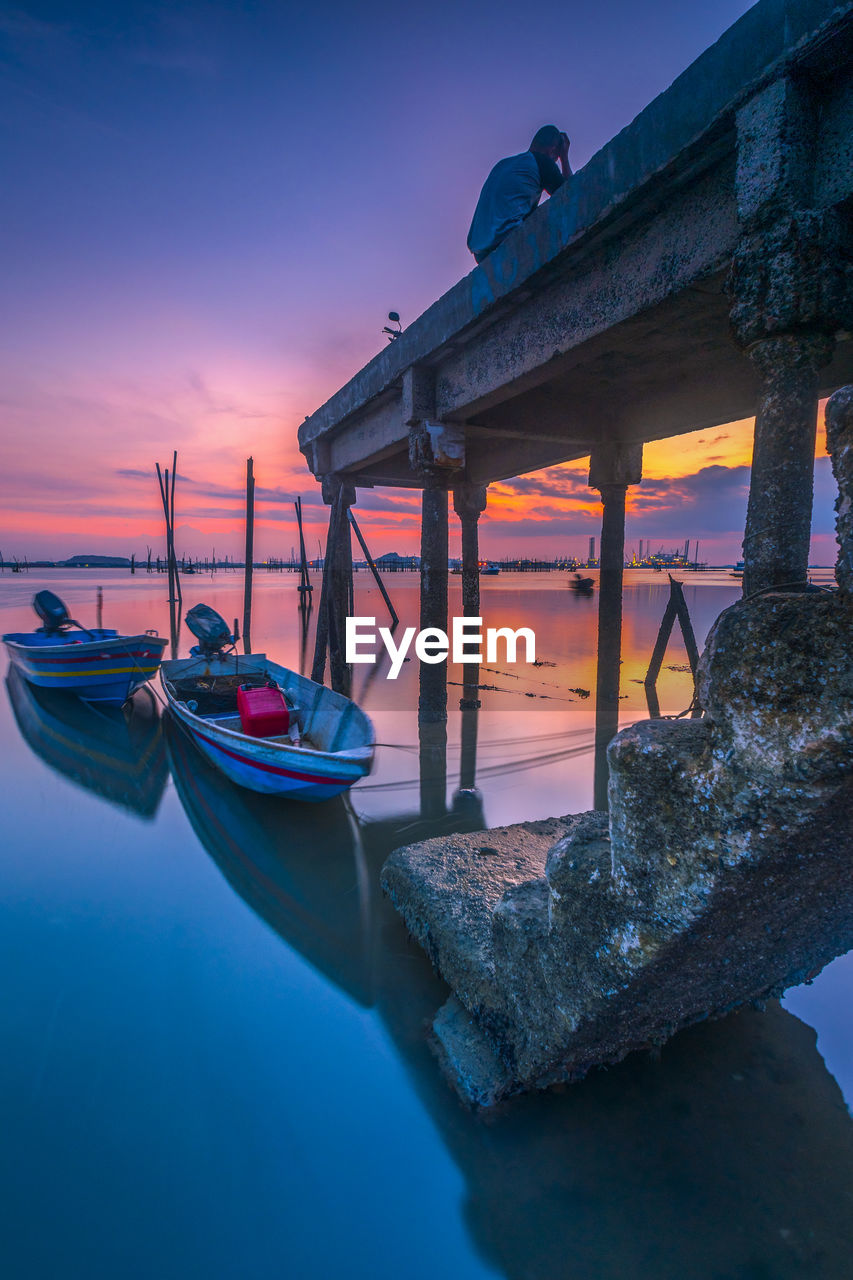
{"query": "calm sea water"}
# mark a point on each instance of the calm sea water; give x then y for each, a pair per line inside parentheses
(214, 1061)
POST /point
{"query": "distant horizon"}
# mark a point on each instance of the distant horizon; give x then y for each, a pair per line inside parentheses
(184, 272)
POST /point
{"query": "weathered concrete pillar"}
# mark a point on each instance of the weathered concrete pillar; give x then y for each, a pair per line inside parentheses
(469, 503)
(839, 439)
(432, 703)
(612, 468)
(336, 591)
(437, 457)
(781, 488)
(789, 294)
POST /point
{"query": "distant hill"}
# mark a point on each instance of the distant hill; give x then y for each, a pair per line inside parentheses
(96, 562)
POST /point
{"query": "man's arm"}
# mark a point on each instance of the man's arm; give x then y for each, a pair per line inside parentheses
(564, 156)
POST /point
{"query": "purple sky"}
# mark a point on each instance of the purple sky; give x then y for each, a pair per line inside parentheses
(208, 212)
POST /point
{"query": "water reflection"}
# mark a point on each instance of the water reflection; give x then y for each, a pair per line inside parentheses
(115, 752)
(298, 866)
(732, 1155)
(259, 1125)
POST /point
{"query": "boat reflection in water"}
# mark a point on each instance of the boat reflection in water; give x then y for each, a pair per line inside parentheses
(299, 867)
(115, 752)
(310, 872)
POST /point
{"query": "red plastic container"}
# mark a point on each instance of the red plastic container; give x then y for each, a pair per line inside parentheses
(263, 712)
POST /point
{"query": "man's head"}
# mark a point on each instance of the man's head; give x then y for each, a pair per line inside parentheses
(548, 141)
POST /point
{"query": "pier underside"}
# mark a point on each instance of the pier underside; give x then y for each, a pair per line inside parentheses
(666, 371)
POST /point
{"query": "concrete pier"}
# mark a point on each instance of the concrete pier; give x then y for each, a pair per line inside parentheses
(609, 315)
(697, 271)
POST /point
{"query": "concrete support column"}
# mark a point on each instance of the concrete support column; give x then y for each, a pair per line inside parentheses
(778, 520)
(612, 469)
(469, 503)
(789, 293)
(839, 439)
(432, 703)
(609, 632)
(437, 457)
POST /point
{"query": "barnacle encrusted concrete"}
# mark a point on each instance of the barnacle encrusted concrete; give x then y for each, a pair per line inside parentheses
(726, 873)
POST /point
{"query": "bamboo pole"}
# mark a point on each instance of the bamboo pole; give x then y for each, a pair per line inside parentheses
(172, 526)
(369, 558)
(250, 544)
(163, 492)
(676, 608)
(305, 585)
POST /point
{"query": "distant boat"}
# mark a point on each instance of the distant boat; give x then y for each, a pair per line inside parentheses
(490, 570)
(322, 744)
(188, 569)
(115, 752)
(583, 586)
(737, 571)
(98, 665)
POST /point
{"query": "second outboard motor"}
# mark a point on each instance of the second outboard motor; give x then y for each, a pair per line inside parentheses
(52, 611)
(210, 629)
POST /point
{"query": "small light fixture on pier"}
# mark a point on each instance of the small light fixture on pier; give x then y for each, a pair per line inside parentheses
(393, 333)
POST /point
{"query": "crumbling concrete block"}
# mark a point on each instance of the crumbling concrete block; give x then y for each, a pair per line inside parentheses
(725, 874)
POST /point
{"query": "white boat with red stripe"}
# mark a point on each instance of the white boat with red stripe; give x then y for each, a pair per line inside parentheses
(327, 747)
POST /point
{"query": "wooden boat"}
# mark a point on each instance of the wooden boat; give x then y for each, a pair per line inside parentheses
(99, 665)
(583, 586)
(335, 743)
(115, 752)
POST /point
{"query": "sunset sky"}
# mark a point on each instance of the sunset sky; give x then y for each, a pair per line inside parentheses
(208, 212)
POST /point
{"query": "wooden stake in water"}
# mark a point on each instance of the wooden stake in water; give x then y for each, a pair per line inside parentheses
(99, 608)
(372, 566)
(305, 587)
(676, 608)
(164, 487)
(250, 548)
(172, 527)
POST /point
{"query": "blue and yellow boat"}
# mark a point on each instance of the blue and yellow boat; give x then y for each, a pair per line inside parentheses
(99, 665)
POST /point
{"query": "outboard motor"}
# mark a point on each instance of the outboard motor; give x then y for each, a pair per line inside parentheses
(53, 613)
(210, 629)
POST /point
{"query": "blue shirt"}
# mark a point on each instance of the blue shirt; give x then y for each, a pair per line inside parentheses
(510, 194)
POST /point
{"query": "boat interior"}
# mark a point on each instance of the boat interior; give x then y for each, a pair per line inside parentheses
(327, 721)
